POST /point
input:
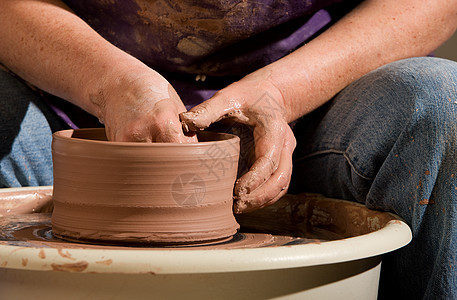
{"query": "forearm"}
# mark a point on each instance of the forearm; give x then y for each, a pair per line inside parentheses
(52, 48)
(375, 33)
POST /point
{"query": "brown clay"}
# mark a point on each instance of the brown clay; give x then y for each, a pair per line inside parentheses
(315, 216)
(125, 192)
(34, 230)
(295, 219)
(21, 202)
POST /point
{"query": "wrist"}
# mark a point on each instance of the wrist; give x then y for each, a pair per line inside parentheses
(126, 85)
(279, 89)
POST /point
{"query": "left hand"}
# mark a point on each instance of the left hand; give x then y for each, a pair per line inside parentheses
(256, 102)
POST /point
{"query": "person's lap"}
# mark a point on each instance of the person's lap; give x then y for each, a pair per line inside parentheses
(389, 141)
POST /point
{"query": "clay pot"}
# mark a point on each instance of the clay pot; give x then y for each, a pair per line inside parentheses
(122, 192)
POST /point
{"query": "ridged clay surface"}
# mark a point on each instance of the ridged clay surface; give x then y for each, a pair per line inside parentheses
(125, 192)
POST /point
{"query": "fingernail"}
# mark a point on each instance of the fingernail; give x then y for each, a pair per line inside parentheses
(185, 127)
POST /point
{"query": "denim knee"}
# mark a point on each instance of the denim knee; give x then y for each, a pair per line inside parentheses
(423, 155)
(418, 177)
(389, 140)
(375, 141)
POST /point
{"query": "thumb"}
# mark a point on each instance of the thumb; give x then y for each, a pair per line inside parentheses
(206, 113)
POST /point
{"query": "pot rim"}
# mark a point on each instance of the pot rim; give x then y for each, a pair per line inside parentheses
(66, 136)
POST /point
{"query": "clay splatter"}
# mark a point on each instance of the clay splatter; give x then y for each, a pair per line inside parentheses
(25, 261)
(65, 255)
(105, 262)
(426, 202)
(74, 267)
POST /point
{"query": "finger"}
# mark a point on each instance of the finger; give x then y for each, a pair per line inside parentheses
(164, 127)
(171, 132)
(210, 111)
(269, 142)
(164, 124)
(274, 188)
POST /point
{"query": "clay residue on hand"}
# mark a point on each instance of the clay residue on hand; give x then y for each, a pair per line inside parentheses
(188, 122)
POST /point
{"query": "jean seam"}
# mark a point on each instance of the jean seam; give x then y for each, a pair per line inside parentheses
(331, 151)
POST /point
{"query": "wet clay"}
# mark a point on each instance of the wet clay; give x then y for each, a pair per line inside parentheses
(122, 192)
(13, 202)
(293, 220)
(34, 230)
(315, 216)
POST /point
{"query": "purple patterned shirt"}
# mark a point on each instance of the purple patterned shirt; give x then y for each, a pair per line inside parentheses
(220, 39)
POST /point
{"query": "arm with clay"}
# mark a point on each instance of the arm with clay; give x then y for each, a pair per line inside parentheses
(46, 44)
(373, 34)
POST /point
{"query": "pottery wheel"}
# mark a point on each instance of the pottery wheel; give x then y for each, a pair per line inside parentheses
(34, 230)
(286, 235)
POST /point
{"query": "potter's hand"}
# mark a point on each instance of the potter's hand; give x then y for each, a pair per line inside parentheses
(142, 107)
(256, 102)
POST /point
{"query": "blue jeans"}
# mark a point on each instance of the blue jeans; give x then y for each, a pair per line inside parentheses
(388, 140)
(25, 135)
